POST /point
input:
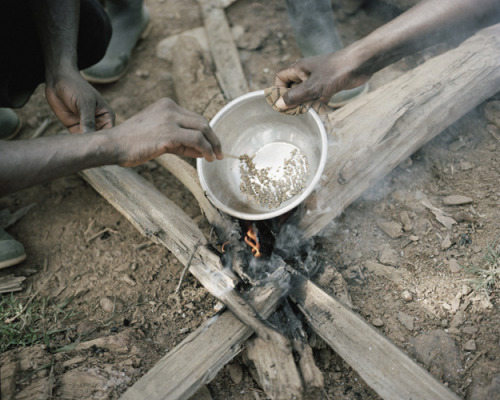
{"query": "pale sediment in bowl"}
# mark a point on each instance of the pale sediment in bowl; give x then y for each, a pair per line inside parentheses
(246, 125)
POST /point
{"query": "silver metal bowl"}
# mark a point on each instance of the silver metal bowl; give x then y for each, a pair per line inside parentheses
(248, 125)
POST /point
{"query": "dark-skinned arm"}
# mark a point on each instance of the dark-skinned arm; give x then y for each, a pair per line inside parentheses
(427, 23)
(163, 127)
(75, 102)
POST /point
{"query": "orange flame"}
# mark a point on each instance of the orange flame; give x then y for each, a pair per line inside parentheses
(252, 240)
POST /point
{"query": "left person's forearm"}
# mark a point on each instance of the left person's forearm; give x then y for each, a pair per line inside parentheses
(57, 23)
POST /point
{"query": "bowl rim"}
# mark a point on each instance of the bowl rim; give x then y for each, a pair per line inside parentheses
(276, 212)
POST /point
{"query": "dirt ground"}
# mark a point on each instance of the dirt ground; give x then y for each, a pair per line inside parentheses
(124, 317)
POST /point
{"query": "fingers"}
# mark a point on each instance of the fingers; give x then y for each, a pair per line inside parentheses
(87, 117)
(211, 145)
(191, 143)
(294, 74)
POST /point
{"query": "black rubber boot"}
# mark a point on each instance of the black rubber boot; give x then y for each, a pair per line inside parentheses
(315, 33)
(129, 19)
(10, 124)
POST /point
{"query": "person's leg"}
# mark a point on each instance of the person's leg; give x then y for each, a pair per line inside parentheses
(11, 251)
(10, 124)
(22, 68)
(315, 33)
(129, 19)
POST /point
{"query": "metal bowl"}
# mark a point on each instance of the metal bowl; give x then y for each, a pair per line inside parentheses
(248, 125)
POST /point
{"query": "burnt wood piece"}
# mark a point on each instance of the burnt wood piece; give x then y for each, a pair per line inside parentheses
(373, 134)
(200, 356)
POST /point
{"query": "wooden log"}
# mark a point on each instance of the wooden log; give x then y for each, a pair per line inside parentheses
(162, 221)
(389, 371)
(188, 176)
(198, 358)
(229, 71)
(195, 85)
(277, 373)
(373, 134)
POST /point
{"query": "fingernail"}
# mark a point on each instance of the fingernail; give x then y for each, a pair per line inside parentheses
(280, 103)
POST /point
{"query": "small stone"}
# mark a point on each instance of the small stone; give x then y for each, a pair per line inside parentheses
(456, 200)
(406, 320)
(454, 266)
(457, 320)
(454, 331)
(405, 219)
(142, 74)
(414, 238)
(438, 352)
(128, 280)
(444, 323)
(455, 304)
(391, 228)
(446, 243)
(377, 322)
(107, 304)
(457, 145)
(491, 112)
(470, 330)
(470, 345)
(406, 296)
(466, 289)
(235, 372)
(388, 257)
(466, 166)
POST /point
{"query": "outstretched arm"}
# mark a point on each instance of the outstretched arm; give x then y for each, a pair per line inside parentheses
(163, 127)
(429, 22)
(74, 101)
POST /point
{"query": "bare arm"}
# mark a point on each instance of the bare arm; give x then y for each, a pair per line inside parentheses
(429, 22)
(74, 101)
(163, 127)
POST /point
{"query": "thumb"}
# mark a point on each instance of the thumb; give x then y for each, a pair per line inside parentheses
(296, 95)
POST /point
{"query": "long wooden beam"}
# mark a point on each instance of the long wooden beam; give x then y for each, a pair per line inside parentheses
(373, 134)
(218, 341)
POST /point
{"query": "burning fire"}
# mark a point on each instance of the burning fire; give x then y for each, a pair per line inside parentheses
(252, 240)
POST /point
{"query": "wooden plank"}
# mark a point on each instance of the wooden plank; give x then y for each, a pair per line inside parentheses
(382, 365)
(373, 134)
(161, 220)
(198, 358)
(229, 71)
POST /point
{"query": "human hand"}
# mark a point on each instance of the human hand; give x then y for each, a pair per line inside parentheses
(77, 104)
(164, 127)
(318, 78)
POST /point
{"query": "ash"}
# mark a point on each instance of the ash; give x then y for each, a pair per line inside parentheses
(270, 187)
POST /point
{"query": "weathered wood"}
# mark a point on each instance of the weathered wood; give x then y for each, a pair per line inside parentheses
(277, 373)
(389, 371)
(188, 176)
(229, 71)
(373, 134)
(161, 220)
(194, 82)
(11, 283)
(198, 358)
